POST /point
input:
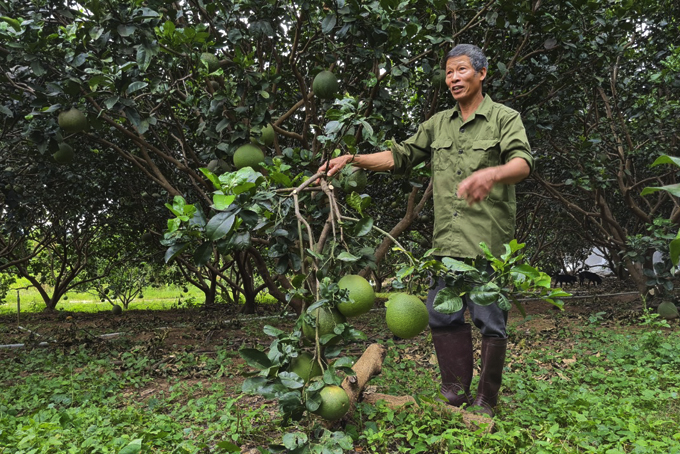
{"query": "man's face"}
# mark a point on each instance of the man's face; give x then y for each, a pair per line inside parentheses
(463, 81)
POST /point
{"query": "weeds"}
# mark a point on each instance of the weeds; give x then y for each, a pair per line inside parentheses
(586, 389)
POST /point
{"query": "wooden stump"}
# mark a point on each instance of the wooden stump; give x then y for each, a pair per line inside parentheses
(369, 365)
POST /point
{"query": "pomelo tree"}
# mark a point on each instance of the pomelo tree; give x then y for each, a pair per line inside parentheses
(160, 110)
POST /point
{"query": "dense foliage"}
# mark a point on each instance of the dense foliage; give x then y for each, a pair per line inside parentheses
(596, 83)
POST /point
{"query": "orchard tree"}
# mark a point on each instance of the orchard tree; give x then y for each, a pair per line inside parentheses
(168, 88)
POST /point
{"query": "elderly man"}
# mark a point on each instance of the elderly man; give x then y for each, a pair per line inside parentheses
(478, 152)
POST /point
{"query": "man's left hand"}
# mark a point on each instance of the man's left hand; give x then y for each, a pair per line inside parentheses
(477, 186)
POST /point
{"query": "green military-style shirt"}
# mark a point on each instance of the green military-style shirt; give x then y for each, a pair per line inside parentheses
(492, 136)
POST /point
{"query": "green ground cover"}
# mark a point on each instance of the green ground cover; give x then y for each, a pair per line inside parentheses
(585, 387)
(155, 298)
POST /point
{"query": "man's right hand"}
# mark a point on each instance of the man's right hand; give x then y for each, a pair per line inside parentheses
(335, 165)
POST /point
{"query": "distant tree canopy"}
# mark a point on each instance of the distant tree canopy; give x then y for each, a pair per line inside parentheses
(597, 84)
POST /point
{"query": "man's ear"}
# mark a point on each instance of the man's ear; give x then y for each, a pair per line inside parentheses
(482, 74)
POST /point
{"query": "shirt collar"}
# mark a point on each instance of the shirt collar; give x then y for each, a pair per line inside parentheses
(484, 109)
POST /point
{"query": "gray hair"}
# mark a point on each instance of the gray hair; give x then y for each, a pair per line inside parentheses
(474, 53)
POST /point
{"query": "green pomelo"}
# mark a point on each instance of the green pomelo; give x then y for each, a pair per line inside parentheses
(72, 120)
(326, 319)
(361, 295)
(356, 181)
(65, 154)
(439, 79)
(406, 315)
(268, 135)
(116, 310)
(325, 85)
(305, 366)
(147, 237)
(248, 156)
(214, 85)
(334, 403)
(667, 310)
(211, 60)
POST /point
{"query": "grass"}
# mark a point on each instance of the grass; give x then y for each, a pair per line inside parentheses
(587, 388)
(160, 298)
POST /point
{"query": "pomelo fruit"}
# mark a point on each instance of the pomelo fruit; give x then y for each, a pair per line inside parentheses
(248, 156)
(325, 85)
(356, 181)
(439, 79)
(116, 310)
(326, 319)
(72, 120)
(667, 310)
(147, 237)
(361, 295)
(334, 403)
(305, 366)
(406, 315)
(211, 60)
(266, 136)
(65, 154)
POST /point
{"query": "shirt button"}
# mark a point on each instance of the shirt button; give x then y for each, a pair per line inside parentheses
(455, 214)
(459, 172)
(462, 130)
(460, 151)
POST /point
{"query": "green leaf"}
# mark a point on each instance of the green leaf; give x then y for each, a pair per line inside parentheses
(203, 253)
(674, 247)
(294, 440)
(485, 294)
(253, 385)
(228, 446)
(134, 447)
(291, 380)
(222, 202)
(347, 257)
(175, 250)
(447, 301)
(219, 225)
(456, 265)
(255, 358)
(665, 159)
(272, 331)
(291, 403)
(363, 227)
(673, 189)
(136, 86)
(526, 270)
(328, 23)
(126, 30)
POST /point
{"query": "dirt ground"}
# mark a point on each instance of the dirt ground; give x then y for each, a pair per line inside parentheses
(163, 335)
(203, 329)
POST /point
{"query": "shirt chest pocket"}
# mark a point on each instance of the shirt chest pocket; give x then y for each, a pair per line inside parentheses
(485, 153)
(442, 154)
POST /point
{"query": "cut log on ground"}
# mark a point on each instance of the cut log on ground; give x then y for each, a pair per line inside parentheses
(370, 365)
(471, 420)
(367, 366)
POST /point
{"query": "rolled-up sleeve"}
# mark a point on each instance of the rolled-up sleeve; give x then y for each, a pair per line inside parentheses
(514, 141)
(412, 151)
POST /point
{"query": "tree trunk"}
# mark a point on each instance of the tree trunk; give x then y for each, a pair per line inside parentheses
(211, 291)
(636, 274)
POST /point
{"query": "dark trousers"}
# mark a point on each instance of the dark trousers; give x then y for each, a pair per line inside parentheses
(491, 320)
